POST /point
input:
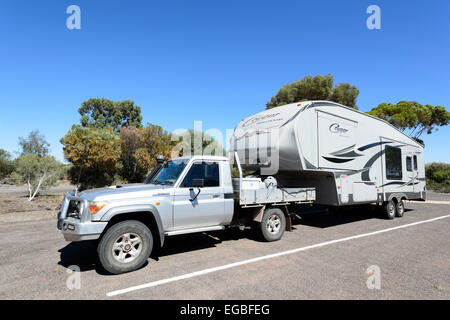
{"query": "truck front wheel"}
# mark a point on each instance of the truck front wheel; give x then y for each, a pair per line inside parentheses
(272, 225)
(125, 246)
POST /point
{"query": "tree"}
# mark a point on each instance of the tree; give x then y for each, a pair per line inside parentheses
(104, 113)
(94, 151)
(411, 117)
(6, 165)
(140, 147)
(154, 141)
(38, 172)
(315, 88)
(35, 144)
(346, 94)
(130, 139)
(197, 142)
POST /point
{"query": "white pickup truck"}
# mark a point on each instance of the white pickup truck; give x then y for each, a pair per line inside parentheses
(183, 195)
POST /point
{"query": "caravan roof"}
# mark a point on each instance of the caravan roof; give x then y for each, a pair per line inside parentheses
(295, 132)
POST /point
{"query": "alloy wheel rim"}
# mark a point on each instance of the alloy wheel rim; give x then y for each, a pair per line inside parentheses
(273, 224)
(391, 209)
(400, 208)
(127, 247)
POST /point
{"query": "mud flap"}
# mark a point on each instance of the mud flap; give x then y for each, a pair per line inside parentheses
(260, 211)
(259, 214)
(288, 219)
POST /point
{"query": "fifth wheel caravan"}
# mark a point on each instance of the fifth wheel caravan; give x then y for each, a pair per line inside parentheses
(349, 156)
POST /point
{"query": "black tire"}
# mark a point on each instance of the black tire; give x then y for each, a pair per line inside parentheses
(389, 209)
(400, 208)
(117, 234)
(272, 225)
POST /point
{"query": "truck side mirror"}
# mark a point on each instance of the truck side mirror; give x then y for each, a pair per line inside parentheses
(198, 183)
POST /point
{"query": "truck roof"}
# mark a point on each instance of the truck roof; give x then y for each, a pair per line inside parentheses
(202, 157)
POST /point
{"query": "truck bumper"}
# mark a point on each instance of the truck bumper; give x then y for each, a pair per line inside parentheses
(75, 230)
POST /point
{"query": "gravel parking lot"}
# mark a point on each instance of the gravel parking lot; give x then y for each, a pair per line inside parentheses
(329, 259)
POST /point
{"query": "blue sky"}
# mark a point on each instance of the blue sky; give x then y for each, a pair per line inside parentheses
(215, 61)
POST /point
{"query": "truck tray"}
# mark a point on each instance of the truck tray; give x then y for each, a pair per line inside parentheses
(275, 195)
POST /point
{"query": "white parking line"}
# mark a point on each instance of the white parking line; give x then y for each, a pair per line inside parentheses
(430, 202)
(257, 259)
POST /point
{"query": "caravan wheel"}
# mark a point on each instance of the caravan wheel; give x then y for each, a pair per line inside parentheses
(400, 208)
(389, 209)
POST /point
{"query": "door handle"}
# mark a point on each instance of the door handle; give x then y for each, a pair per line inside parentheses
(216, 195)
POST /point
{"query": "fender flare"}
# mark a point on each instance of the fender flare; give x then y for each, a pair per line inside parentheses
(397, 196)
(137, 208)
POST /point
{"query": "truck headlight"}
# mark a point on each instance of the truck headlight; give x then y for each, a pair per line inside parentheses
(95, 207)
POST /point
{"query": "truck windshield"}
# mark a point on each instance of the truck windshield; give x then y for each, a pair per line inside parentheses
(168, 173)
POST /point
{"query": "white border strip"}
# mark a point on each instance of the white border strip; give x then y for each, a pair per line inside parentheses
(257, 259)
(429, 202)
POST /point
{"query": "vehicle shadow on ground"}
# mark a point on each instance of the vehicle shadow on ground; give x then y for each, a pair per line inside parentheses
(199, 241)
(326, 218)
(83, 255)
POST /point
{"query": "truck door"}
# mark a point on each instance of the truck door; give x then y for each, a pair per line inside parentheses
(208, 209)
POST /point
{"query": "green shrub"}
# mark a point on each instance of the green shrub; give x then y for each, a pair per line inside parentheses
(6, 164)
(438, 176)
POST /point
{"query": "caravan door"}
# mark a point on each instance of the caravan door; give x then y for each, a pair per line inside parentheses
(399, 175)
(416, 185)
(413, 169)
(410, 177)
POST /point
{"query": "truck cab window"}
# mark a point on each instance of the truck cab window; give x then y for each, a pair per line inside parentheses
(168, 173)
(393, 163)
(408, 164)
(209, 171)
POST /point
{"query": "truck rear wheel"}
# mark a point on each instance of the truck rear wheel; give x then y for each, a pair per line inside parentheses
(389, 209)
(125, 246)
(272, 225)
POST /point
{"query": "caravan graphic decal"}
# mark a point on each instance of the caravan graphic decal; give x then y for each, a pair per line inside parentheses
(337, 160)
(336, 128)
(348, 154)
(411, 182)
(371, 145)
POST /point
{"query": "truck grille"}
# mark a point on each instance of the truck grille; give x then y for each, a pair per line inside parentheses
(75, 209)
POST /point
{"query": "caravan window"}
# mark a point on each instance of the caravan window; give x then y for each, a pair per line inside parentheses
(408, 164)
(415, 162)
(393, 163)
